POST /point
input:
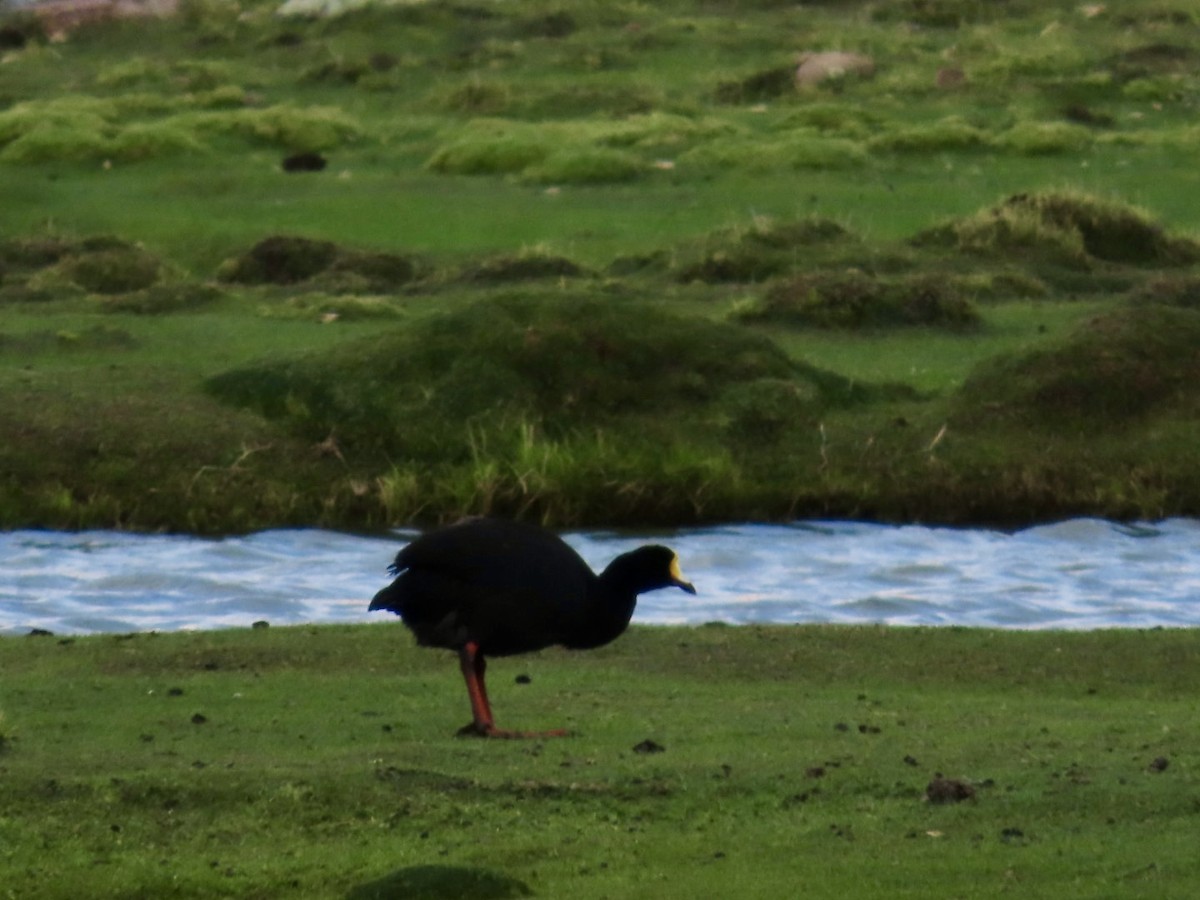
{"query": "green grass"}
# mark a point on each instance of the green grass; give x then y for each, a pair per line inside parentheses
(933, 361)
(321, 762)
(639, 158)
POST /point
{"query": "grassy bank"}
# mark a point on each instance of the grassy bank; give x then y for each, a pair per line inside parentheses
(320, 762)
(603, 265)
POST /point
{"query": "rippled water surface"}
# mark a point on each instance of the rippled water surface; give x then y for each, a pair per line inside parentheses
(1078, 574)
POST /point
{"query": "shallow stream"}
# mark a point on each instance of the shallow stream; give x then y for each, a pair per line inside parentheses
(1078, 574)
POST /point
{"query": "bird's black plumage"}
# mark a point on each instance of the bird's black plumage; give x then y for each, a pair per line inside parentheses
(489, 587)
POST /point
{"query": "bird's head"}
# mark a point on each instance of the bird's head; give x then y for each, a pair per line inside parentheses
(648, 569)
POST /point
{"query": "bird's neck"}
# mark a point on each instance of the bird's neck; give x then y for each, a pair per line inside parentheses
(609, 610)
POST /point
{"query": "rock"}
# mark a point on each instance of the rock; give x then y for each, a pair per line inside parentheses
(814, 68)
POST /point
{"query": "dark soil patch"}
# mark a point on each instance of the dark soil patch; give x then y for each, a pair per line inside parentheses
(648, 746)
(948, 790)
(304, 162)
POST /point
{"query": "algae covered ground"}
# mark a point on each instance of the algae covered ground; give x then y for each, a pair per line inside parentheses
(711, 761)
(598, 264)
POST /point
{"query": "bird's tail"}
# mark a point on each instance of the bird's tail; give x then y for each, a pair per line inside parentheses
(389, 598)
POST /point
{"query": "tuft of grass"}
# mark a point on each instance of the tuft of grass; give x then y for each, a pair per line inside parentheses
(518, 471)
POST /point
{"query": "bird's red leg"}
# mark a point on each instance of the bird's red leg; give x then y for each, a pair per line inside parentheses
(474, 666)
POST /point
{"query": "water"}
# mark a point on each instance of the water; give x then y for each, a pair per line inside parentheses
(1079, 574)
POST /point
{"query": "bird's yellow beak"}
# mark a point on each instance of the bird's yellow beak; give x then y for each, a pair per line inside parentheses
(677, 578)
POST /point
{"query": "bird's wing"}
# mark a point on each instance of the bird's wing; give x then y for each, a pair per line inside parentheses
(496, 554)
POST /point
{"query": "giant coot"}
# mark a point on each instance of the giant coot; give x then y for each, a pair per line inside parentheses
(491, 587)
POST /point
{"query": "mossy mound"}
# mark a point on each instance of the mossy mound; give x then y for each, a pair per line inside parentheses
(764, 249)
(949, 13)
(758, 87)
(1172, 290)
(555, 363)
(1116, 369)
(1067, 228)
(853, 299)
(51, 266)
(526, 266)
(293, 260)
(160, 299)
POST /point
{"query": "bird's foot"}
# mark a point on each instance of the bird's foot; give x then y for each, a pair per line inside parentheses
(483, 730)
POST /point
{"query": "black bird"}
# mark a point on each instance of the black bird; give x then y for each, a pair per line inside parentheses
(490, 587)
